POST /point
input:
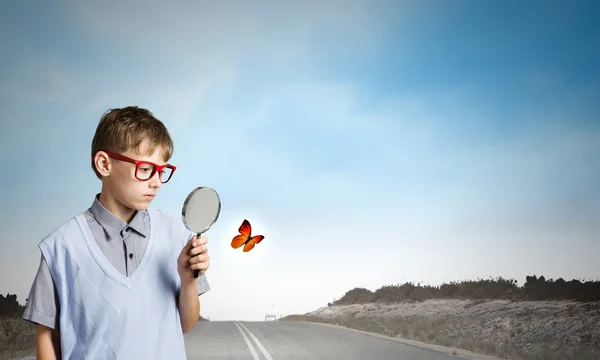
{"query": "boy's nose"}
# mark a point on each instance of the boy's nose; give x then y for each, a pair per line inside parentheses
(155, 180)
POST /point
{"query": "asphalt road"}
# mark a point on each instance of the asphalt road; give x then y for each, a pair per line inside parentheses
(286, 340)
(275, 340)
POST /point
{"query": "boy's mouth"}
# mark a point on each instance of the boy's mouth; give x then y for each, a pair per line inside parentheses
(150, 196)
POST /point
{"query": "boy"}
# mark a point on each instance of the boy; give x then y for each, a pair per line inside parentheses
(116, 281)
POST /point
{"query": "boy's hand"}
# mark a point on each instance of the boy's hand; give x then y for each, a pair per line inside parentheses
(193, 256)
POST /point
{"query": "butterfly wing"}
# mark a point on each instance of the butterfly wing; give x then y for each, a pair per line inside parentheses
(249, 246)
(245, 230)
(253, 241)
(238, 241)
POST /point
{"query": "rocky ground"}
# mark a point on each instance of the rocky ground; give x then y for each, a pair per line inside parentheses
(503, 328)
(17, 338)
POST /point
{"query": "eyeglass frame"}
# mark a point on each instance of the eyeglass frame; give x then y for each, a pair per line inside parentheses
(157, 168)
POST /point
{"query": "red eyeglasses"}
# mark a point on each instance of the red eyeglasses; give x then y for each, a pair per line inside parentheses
(145, 170)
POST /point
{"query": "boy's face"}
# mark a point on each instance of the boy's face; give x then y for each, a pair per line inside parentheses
(123, 185)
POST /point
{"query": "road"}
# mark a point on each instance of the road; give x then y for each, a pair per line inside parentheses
(286, 340)
(275, 340)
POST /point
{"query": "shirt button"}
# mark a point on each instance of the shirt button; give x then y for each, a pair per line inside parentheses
(131, 256)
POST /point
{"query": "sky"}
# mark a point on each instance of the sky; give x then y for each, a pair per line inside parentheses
(371, 142)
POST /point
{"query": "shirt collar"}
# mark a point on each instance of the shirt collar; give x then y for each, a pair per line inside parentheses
(112, 224)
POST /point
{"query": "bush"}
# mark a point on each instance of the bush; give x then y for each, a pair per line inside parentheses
(542, 289)
(356, 296)
(492, 289)
(10, 307)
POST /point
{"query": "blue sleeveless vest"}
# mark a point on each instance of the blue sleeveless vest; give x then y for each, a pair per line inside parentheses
(106, 315)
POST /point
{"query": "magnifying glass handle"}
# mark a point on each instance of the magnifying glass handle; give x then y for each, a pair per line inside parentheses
(196, 272)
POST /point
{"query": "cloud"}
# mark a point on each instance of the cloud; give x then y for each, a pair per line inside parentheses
(174, 100)
(217, 29)
(39, 82)
(314, 135)
(343, 168)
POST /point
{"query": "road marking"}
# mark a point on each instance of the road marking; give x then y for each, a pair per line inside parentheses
(252, 350)
(260, 346)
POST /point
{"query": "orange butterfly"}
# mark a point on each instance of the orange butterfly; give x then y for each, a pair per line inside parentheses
(245, 238)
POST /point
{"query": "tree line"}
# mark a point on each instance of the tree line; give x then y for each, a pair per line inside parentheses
(10, 307)
(534, 289)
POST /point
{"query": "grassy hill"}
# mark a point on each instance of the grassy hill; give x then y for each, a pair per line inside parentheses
(543, 319)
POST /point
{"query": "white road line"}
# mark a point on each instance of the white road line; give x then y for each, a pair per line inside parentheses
(260, 346)
(252, 350)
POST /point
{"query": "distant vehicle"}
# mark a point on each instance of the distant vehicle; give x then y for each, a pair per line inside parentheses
(273, 317)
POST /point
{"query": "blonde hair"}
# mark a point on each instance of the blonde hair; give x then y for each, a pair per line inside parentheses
(120, 130)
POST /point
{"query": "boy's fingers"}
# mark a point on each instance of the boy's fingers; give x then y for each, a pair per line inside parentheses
(196, 245)
(199, 259)
(200, 241)
(198, 250)
(200, 266)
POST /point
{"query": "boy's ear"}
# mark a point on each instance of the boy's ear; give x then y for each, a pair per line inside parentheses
(102, 163)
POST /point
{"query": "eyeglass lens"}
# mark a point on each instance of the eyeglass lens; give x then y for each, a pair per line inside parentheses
(145, 171)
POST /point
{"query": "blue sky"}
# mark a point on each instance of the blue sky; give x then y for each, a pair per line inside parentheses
(370, 142)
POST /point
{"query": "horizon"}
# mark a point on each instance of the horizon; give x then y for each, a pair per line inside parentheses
(390, 142)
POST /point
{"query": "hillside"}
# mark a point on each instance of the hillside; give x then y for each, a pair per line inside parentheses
(17, 337)
(540, 320)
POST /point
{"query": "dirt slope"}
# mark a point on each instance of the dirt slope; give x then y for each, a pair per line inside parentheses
(503, 328)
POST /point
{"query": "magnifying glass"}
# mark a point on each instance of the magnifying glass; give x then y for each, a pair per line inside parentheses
(200, 211)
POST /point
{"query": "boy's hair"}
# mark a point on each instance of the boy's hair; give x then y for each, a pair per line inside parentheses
(120, 130)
